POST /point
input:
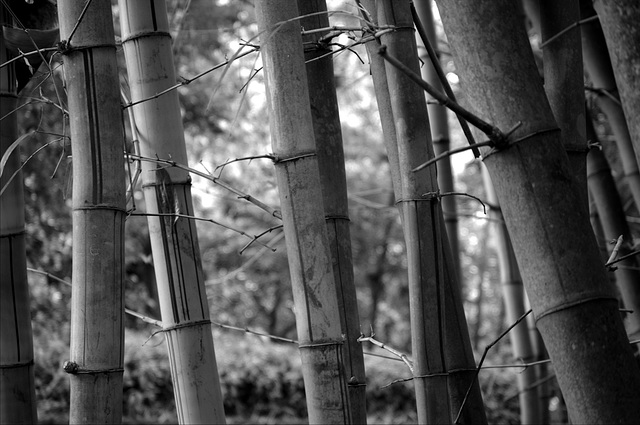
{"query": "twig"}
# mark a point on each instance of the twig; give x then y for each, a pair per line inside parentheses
(191, 217)
(567, 29)
(249, 331)
(126, 310)
(499, 139)
(451, 152)
(443, 79)
(245, 158)
(484, 355)
(393, 351)
(614, 252)
(216, 180)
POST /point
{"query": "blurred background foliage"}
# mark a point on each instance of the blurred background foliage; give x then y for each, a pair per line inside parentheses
(225, 118)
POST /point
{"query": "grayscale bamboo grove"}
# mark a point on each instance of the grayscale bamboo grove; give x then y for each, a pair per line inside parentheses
(550, 190)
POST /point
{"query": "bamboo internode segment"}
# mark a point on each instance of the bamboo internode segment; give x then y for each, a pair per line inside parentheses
(158, 128)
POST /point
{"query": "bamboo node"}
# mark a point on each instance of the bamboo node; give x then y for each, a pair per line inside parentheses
(74, 368)
(337, 217)
(142, 34)
(15, 365)
(571, 304)
(321, 344)
(506, 143)
(279, 160)
(186, 325)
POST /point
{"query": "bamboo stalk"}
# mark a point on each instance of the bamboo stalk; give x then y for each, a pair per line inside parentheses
(17, 387)
(297, 173)
(567, 285)
(440, 340)
(97, 332)
(328, 137)
(439, 125)
(176, 253)
(514, 298)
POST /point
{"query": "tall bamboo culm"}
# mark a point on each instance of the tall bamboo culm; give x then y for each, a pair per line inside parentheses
(328, 137)
(439, 125)
(568, 287)
(17, 388)
(297, 174)
(97, 333)
(440, 339)
(174, 240)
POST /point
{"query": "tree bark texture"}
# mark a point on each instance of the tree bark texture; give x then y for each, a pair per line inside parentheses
(619, 20)
(17, 387)
(297, 173)
(441, 349)
(328, 137)
(97, 333)
(576, 310)
(178, 266)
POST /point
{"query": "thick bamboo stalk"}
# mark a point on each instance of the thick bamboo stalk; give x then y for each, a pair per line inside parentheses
(328, 137)
(576, 310)
(97, 333)
(439, 125)
(598, 66)
(179, 276)
(17, 388)
(297, 173)
(440, 339)
(564, 83)
(514, 298)
(619, 20)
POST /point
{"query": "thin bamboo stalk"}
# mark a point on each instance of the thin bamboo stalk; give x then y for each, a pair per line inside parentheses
(440, 339)
(297, 173)
(176, 253)
(17, 387)
(439, 125)
(97, 333)
(567, 286)
(328, 137)
(514, 299)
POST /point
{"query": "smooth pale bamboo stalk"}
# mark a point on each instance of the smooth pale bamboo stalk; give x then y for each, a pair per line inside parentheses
(614, 224)
(439, 124)
(328, 137)
(97, 332)
(514, 298)
(17, 387)
(576, 310)
(440, 338)
(176, 253)
(564, 83)
(619, 20)
(598, 66)
(297, 173)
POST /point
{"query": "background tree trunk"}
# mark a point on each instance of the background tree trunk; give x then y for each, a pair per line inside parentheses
(619, 20)
(576, 310)
(97, 332)
(179, 276)
(314, 289)
(328, 137)
(17, 388)
(514, 299)
(598, 67)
